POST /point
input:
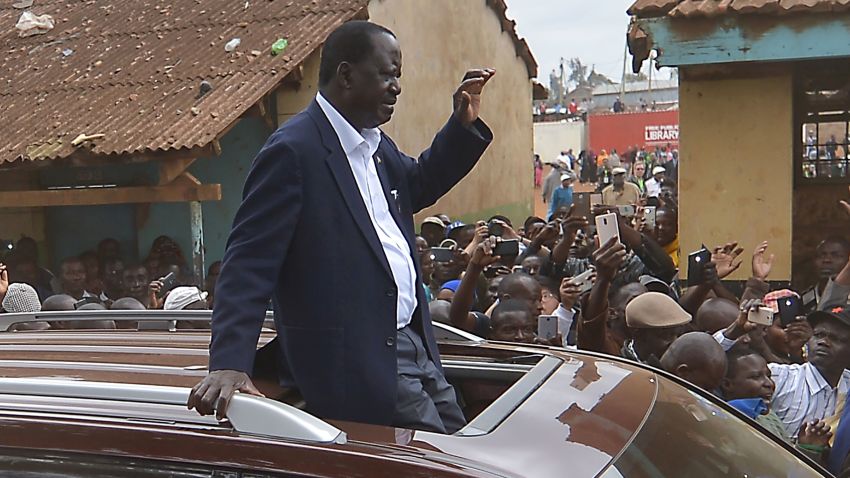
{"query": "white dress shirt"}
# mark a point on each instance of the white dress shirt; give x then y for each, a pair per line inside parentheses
(653, 188)
(360, 148)
(803, 394)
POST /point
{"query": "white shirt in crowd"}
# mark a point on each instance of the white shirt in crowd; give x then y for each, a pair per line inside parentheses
(803, 394)
(360, 148)
(565, 321)
(653, 188)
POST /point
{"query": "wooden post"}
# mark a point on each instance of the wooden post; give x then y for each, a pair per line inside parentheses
(197, 225)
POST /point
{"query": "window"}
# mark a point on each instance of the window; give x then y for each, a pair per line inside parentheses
(822, 112)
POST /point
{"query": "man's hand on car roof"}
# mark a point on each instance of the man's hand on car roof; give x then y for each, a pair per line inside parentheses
(214, 392)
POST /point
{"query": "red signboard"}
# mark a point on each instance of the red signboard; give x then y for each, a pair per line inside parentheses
(622, 131)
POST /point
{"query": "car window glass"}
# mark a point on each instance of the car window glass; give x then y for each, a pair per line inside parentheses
(687, 435)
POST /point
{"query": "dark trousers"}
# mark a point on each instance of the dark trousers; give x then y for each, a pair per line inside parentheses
(426, 401)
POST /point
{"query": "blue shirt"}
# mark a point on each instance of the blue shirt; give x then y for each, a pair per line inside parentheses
(560, 197)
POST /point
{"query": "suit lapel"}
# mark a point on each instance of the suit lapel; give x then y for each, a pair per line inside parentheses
(344, 177)
(391, 193)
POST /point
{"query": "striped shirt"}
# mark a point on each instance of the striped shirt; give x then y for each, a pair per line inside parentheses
(803, 394)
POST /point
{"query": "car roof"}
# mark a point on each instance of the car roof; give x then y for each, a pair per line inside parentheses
(579, 408)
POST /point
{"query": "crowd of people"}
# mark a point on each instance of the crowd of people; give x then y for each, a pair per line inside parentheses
(789, 376)
(500, 280)
(101, 279)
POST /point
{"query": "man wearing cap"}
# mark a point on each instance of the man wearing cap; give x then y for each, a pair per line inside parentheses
(433, 231)
(552, 179)
(818, 388)
(654, 320)
(562, 196)
(653, 186)
(620, 193)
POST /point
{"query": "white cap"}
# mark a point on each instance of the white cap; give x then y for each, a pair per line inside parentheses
(658, 170)
(564, 177)
(618, 170)
(180, 297)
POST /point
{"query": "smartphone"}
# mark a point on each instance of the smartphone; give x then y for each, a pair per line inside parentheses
(810, 299)
(506, 248)
(649, 216)
(607, 227)
(496, 229)
(442, 254)
(595, 198)
(789, 309)
(168, 283)
(547, 327)
(583, 280)
(696, 262)
(627, 210)
(761, 316)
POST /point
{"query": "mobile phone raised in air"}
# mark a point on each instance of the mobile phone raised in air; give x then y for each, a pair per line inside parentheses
(547, 327)
(607, 228)
(168, 282)
(495, 229)
(583, 281)
(507, 248)
(626, 210)
(696, 263)
(595, 199)
(761, 316)
(789, 309)
(442, 254)
(649, 216)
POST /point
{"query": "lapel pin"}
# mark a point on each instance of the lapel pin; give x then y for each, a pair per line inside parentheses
(378, 159)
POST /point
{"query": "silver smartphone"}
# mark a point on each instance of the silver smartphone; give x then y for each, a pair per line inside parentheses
(547, 327)
(649, 216)
(583, 281)
(607, 228)
(761, 316)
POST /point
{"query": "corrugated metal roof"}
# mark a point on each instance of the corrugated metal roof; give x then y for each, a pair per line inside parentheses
(135, 69)
(715, 8)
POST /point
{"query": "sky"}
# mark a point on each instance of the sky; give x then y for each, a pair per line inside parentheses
(593, 30)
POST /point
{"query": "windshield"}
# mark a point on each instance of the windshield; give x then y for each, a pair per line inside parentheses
(687, 435)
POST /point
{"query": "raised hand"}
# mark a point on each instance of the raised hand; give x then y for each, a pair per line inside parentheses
(608, 259)
(762, 263)
(815, 433)
(467, 98)
(483, 256)
(726, 259)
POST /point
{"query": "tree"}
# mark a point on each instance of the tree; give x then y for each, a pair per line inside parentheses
(578, 72)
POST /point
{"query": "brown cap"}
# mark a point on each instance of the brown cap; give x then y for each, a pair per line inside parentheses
(654, 310)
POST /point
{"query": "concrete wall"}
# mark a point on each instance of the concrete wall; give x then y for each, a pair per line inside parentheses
(440, 40)
(291, 100)
(736, 170)
(552, 138)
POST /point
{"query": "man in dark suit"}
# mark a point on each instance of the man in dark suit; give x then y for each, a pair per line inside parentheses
(328, 206)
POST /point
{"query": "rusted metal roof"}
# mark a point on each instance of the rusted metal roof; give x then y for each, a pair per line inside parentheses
(716, 8)
(132, 70)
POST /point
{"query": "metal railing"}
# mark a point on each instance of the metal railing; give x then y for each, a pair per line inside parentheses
(247, 414)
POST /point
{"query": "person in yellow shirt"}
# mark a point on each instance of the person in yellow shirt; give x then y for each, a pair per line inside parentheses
(667, 232)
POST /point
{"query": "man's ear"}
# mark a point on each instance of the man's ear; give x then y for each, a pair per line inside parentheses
(504, 297)
(345, 75)
(682, 370)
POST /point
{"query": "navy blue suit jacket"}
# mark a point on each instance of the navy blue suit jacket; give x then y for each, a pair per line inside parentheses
(303, 238)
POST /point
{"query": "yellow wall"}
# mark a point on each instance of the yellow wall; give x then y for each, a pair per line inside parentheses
(736, 171)
(440, 40)
(290, 100)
